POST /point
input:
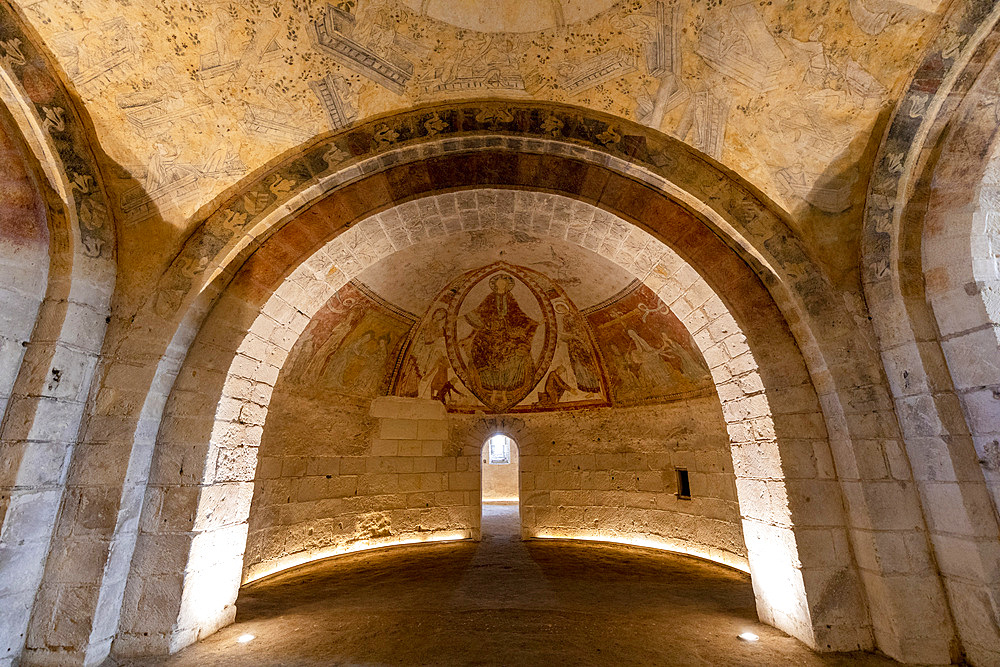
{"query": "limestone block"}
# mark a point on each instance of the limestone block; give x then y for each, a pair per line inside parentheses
(463, 481)
(398, 429)
(352, 465)
(432, 448)
(411, 447)
(594, 480)
(382, 447)
(918, 603)
(443, 464)
(370, 484)
(74, 604)
(20, 563)
(268, 372)
(342, 486)
(269, 467)
(432, 429)
(294, 466)
(223, 504)
(421, 499)
(236, 464)
(243, 366)
(651, 480)
(450, 498)
(158, 553)
(57, 420)
(253, 414)
(424, 464)
(982, 406)
(640, 499)
(14, 613)
(30, 515)
(394, 407)
(309, 488)
(208, 601)
(37, 464)
(976, 617)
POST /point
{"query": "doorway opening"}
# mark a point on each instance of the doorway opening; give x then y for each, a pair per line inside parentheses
(500, 486)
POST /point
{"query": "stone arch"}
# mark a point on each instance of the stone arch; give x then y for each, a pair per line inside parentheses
(24, 256)
(766, 391)
(504, 490)
(54, 376)
(913, 177)
(960, 253)
(553, 148)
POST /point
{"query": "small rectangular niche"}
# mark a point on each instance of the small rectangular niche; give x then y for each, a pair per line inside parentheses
(683, 484)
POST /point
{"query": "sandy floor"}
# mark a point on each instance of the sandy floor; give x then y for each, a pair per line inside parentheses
(503, 602)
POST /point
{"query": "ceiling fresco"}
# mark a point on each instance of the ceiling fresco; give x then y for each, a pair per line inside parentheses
(191, 97)
(500, 337)
(427, 267)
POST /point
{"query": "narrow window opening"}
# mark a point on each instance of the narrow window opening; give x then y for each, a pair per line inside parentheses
(683, 484)
(499, 450)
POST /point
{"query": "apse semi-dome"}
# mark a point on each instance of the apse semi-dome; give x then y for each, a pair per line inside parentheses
(509, 15)
(501, 337)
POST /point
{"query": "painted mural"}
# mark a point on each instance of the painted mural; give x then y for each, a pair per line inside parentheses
(350, 346)
(649, 354)
(505, 338)
(191, 97)
(22, 224)
(499, 338)
(499, 349)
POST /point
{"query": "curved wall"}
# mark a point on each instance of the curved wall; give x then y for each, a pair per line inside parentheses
(24, 260)
(337, 475)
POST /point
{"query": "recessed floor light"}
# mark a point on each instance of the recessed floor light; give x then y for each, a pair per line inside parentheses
(749, 637)
(245, 639)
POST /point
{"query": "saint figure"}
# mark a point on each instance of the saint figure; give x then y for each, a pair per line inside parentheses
(500, 349)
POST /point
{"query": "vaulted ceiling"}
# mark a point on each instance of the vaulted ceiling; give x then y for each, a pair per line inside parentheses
(189, 98)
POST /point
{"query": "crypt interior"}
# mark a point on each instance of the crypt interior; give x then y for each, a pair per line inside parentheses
(501, 332)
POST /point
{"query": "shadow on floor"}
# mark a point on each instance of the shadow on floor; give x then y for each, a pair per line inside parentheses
(503, 602)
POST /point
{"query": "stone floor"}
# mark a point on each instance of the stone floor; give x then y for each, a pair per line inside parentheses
(503, 602)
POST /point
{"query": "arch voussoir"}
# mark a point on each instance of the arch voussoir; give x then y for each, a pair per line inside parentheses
(276, 293)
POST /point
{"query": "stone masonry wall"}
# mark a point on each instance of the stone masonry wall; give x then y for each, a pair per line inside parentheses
(336, 475)
(611, 474)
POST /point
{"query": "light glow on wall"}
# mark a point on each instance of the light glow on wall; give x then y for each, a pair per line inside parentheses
(294, 560)
(650, 542)
(246, 638)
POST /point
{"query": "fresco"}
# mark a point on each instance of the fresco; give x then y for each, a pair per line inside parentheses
(22, 223)
(505, 338)
(649, 354)
(499, 349)
(189, 98)
(350, 346)
(499, 338)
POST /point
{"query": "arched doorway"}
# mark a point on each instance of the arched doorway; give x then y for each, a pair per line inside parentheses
(500, 484)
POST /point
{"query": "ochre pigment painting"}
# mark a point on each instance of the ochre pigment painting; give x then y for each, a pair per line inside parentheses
(191, 97)
(503, 338)
(649, 354)
(500, 334)
(350, 345)
(495, 338)
(500, 338)
(507, 338)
